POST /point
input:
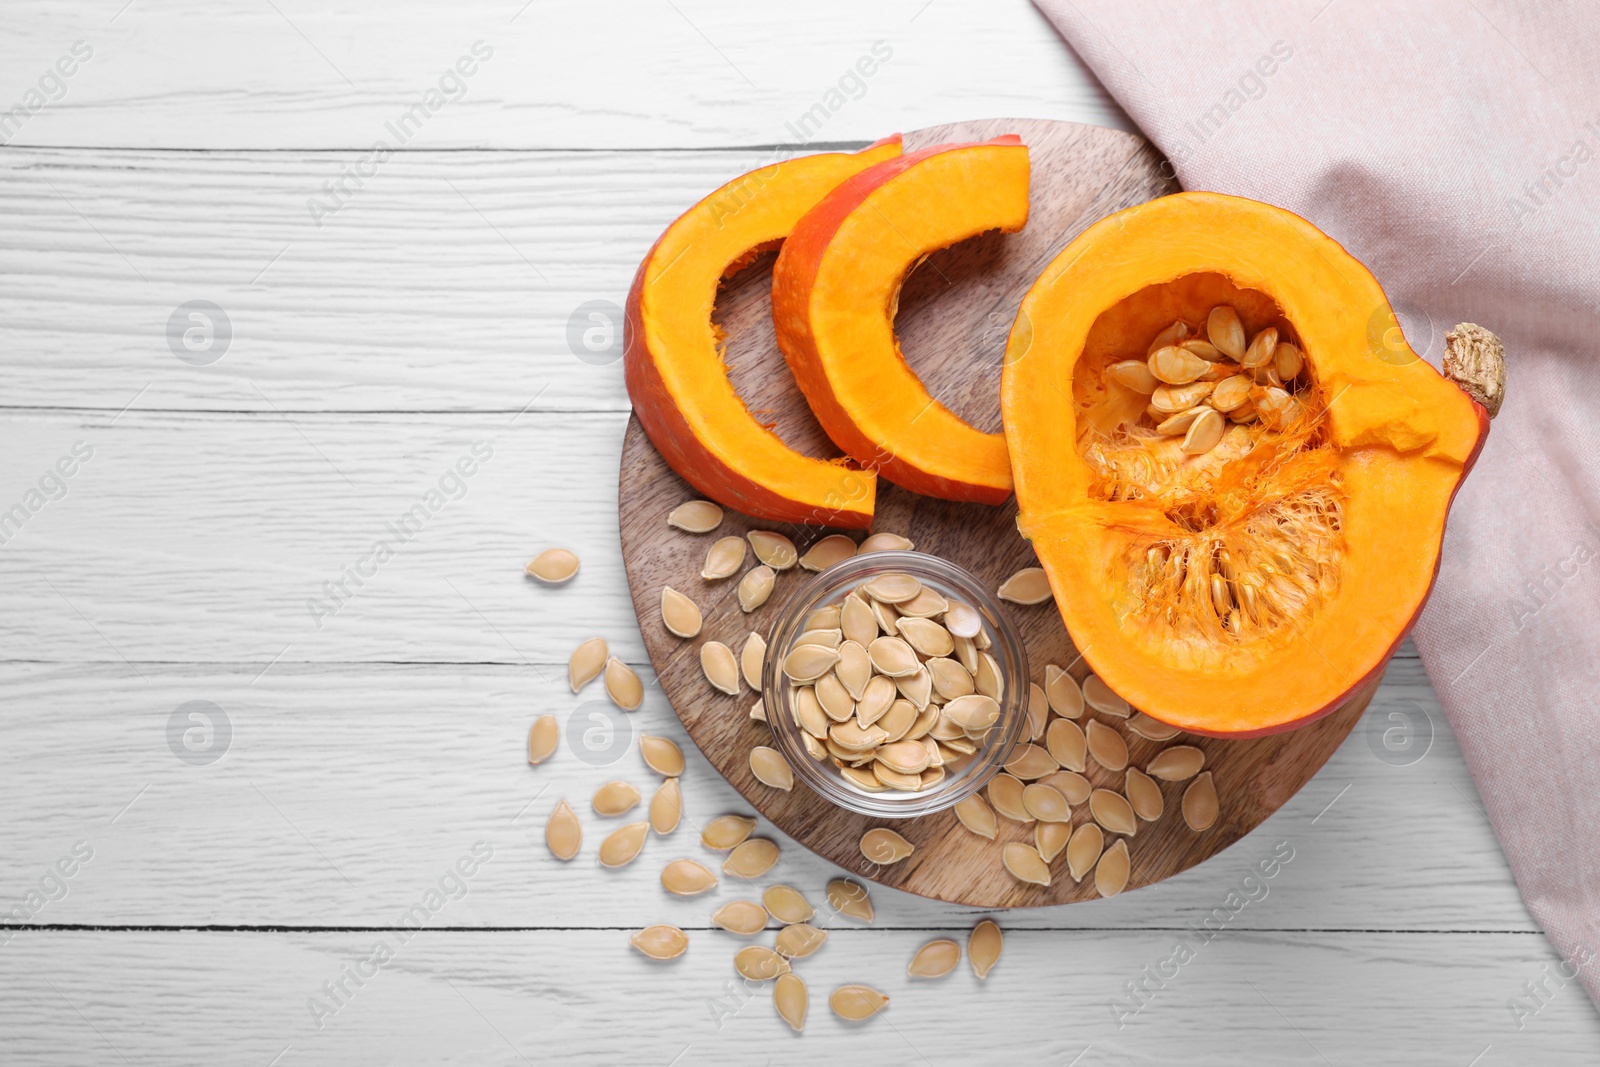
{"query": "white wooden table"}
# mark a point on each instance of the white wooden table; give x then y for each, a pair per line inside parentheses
(364, 756)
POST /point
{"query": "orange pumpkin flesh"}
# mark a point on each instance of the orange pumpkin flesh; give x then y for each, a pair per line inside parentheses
(1335, 521)
(673, 361)
(835, 289)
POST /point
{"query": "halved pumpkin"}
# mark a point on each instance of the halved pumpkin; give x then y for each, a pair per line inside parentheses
(1252, 580)
(835, 290)
(672, 357)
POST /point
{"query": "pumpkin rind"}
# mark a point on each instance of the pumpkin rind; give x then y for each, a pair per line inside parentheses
(1401, 439)
(835, 289)
(673, 361)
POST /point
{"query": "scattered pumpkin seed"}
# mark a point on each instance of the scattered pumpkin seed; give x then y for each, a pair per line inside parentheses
(770, 768)
(752, 858)
(1101, 698)
(553, 566)
(934, 959)
(1113, 812)
(686, 878)
(1046, 804)
(1176, 764)
(1029, 761)
(1067, 744)
(755, 587)
(983, 947)
(1005, 795)
(1025, 863)
(587, 661)
(832, 549)
(1106, 745)
(666, 807)
(1083, 850)
(1038, 712)
(758, 711)
(623, 685)
(789, 998)
(1144, 796)
(1152, 729)
(723, 559)
(1050, 838)
(759, 963)
(807, 663)
(743, 917)
(621, 846)
(798, 940)
(614, 798)
(787, 904)
(773, 549)
(752, 657)
(543, 737)
(679, 614)
(884, 542)
(857, 1002)
(975, 814)
(850, 899)
(726, 831)
(720, 667)
(1111, 873)
(1200, 804)
(1066, 699)
(882, 846)
(563, 834)
(696, 516)
(660, 942)
(662, 755)
(1027, 586)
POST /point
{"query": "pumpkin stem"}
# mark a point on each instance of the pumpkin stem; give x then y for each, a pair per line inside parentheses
(1475, 360)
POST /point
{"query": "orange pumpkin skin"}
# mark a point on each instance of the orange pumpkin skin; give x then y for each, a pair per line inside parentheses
(835, 289)
(673, 364)
(1391, 444)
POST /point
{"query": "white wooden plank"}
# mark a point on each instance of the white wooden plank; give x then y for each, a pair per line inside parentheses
(341, 790)
(691, 73)
(585, 998)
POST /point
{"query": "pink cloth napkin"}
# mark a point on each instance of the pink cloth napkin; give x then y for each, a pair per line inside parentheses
(1455, 150)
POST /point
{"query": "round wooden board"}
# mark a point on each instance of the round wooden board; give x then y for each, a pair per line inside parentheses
(955, 312)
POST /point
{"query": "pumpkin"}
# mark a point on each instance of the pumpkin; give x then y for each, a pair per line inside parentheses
(672, 358)
(835, 290)
(1257, 578)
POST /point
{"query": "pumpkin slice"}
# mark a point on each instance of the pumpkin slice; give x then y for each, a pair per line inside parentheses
(835, 290)
(672, 355)
(1253, 579)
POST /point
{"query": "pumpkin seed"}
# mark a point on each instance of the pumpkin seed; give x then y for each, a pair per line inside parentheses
(1029, 761)
(931, 777)
(787, 904)
(916, 687)
(814, 748)
(1174, 366)
(987, 678)
(1133, 374)
(1027, 586)
(834, 698)
(1111, 873)
(923, 723)
(1200, 804)
(1204, 433)
(886, 617)
(755, 587)
(543, 737)
(1083, 850)
(808, 713)
(752, 858)
(832, 549)
(854, 669)
(926, 636)
(823, 618)
(743, 917)
(723, 559)
(892, 587)
(696, 516)
(1172, 399)
(799, 940)
(1106, 746)
(553, 566)
(1176, 425)
(962, 620)
(623, 685)
(1101, 698)
(1113, 812)
(935, 959)
(773, 549)
(1230, 392)
(884, 542)
(1005, 796)
(975, 814)
(857, 1002)
(925, 605)
(660, 942)
(807, 663)
(759, 963)
(893, 657)
(1263, 346)
(770, 768)
(686, 878)
(1050, 838)
(758, 711)
(857, 621)
(1144, 796)
(1045, 804)
(789, 998)
(906, 757)
(614, 798)
(877, 699)
(1067, 744)
(587, 661)
(1287, 361)
(679, 614)
(950, 679)
(1025, 863)
(1070, 784)
(850, 899)
(726, 831)
(973, 713)
(662, 755)
(621, 846)
(752, 657)
(1176, 764)
(855, 737)
(666, 807)
(563, 834)
(1038, 711)
(1152, 729)
(983, 947)
(882, 846)
(1225, 332)
(967, 654)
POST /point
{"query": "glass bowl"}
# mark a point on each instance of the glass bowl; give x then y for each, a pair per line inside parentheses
(1006, 646)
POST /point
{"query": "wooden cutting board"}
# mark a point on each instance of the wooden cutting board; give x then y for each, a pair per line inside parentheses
(955, 312)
